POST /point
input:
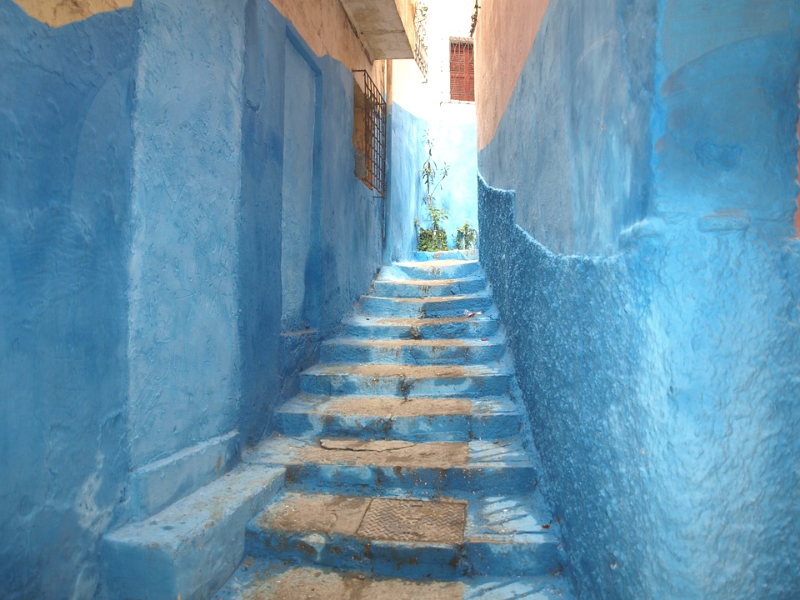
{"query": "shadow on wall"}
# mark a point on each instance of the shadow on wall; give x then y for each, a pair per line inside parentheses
(661, 384)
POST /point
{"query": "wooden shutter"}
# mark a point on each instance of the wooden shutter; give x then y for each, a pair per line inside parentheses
(462, 71)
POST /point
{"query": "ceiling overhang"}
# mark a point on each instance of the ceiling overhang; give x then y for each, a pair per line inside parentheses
(385, 27)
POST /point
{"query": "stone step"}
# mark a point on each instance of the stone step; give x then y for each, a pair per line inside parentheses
(432, 307)
(440, 539)
(259, 579)
(405, 380)
(424, 468)
(423, 288)
(463, 327)
(413, 352)
(434, 269)
(191, 548)
(412, 418)
(471, 254)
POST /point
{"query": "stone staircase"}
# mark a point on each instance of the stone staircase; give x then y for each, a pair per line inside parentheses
(408, 471)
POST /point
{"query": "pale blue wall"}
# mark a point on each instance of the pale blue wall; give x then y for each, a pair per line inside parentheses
(141, 176)
(455, 143)
(662, 380)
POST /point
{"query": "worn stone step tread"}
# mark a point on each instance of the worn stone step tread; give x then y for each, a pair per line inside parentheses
(259, 579)
(360, 319)
(408, 371)
(436, 264)
(433, 300)
(396, 407)
(445, 281)
(475, 454)
(406, 343)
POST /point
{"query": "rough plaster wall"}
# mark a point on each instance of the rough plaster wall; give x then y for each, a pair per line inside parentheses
(662, 381)
(662, 388)
(183, 344)
(585, 95)
(65, 146)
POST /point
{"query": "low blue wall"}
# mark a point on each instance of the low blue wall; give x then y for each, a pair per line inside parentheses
(662, 389)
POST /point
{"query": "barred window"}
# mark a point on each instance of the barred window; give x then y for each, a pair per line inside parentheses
(462, 70)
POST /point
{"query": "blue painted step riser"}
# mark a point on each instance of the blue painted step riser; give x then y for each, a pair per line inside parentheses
(394, 289)
(412, 561)
(390, 307)
(356, 480)
(412, 355)
(457, 271)
(358, 385)
(450, 428)
(477, 328)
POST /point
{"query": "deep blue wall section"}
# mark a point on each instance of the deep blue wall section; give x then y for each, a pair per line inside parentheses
(662, 388)
(585, 95)
(260, 237)
(65, 151)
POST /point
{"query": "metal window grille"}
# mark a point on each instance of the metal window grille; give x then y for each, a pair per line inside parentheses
(421, 39)
(462, 70)
(374, 140)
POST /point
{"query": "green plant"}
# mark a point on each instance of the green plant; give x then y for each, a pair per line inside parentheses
(432, 174)
(466, 237)
(435, 238)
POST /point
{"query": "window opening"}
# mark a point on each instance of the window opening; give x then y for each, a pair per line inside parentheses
(369, 133)
(462, 70)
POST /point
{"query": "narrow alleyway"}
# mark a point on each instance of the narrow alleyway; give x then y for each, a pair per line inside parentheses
(409, 473)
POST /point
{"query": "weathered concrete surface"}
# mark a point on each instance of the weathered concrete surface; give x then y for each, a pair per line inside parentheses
(190, 549)
(388, 453)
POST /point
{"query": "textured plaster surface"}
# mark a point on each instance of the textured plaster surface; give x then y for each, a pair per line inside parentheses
(141, 168)
(183, 338)
(661, 386)
(65, 153)
(574, 141)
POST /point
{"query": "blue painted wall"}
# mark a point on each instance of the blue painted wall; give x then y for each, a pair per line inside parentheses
(65, 175)
(141, 173)
(662, 380)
